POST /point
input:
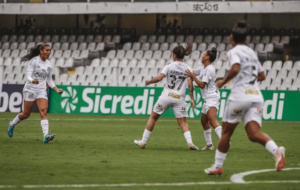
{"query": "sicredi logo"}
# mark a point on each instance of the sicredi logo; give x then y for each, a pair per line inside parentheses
(70, 100)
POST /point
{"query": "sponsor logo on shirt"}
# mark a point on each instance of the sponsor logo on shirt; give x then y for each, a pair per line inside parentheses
(41, 75)
(250, 91)
(174, 95)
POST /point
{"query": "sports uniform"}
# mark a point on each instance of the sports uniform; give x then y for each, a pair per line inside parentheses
(41, 70)
(174, 90)
(210, 93)
(245, 101)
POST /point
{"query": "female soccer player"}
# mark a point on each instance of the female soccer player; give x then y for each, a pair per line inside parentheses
(207, 82)
(245, 101)
(39, 72)
(173, 96)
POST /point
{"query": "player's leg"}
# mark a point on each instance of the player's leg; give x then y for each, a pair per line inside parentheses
(253, 125)
(206, 132)
(212, 120)
(42, 104)
(186, 132)
(28, 104)
(160, 106)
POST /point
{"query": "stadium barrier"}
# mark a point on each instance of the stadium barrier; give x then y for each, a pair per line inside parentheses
(138, 101)
(11, 98)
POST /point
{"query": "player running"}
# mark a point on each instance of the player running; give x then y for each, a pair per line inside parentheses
(173, 96)
(245, 101)
(206, 80)
(39, 72)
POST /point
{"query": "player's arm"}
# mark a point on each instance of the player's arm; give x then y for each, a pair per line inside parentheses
(230, 75)
(51, 83)
(191, 91)
(261, 76)
(156, 79)
(193, 76)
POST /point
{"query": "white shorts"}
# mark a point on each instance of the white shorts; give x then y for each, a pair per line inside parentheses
(246, 111)
(209, 104)
(179, 107)
(32, 96)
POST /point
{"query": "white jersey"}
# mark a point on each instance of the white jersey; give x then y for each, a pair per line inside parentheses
(176, 80)
(245, 87)
(208, 75)
(41, 70)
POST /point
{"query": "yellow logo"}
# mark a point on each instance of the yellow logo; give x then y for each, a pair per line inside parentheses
(174, 95)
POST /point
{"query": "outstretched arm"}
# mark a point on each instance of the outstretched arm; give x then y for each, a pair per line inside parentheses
(193, 76)
(231, 74)
(156, 79)
(51, 83)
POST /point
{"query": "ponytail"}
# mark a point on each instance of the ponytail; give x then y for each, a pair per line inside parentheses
(34, 51)
(212, 54)
(180, 51)
(240, 31)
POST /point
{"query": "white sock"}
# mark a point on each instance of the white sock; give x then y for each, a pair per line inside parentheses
(15, 121)
(146, 135)
(188, 137)
(219, 159)
(218, 131)
(271, 146)
(45, 127)
(207, 136)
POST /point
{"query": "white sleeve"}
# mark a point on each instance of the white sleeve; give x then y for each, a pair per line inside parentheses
(207, 76)
(198, 71)
(30, 69)
(165, 70)
(49, 79)
(233, 58)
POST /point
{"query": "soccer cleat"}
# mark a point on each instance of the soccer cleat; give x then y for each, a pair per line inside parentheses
(140, 143)
(48, 138)
(211, 147)
(213, 171)
(193, 147)
(10, 130)
(280, 158)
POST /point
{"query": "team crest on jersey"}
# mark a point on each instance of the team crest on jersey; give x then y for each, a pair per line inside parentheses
(183, 110)
(30, 95)
(159, 106)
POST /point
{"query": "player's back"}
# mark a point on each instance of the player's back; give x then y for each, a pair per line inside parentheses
(245, 86)
(176, 79)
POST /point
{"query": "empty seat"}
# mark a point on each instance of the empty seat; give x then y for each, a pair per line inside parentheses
(56, 46)
(71, 80)
(296, 66)
(154, 46)
(127, 46)
(90, 78)
(275, 40)
(161, 39)
(157, 55)
(60, 62)
(58, 54)
(202, 47)
(221, 73)
(81, 39)
(166, 55)
(107, 71)
(164, 47)
(195, 55)
(46, 39)
(111, 54)
(74, 46)
(226, 39)
(19, 79)
(265, 84)
(120, 54)
(9, 79)
(114, 63)
(277, 65)
(75, 54)
(148, 55)
(100, 46)
(38, 39)
(98, 38)
(208, 39)
(198, 39)
(218, 64)
(89, 38)
(5, 38)
(272, 74)
(66, 54)
(152, 39)
(13, 38)
(98, 71)
(144, 71)
(81, 79)
(197, 64)
(276, 83)
(172, 46)
(143, 39)
(285, 40)
(107, 39)
(135, 71)
(265, 39)
(248, 39)
(287, 65)
(123, 63)
(82, 46)
(251, 45)
(116, 39)
(282, 74)
(72, 38)
(55, 39)
(217, 39)
(69, 63)
(63, 78)
(64, 38)
(95, 62)
(189, 39)
(125, 71)
(269, 48)
(138, 55)
(142, 63)
(84, 54)
(267, 65)
(105, 62)
(99, 80)
(151, 63)
(221, 47)
(211, 45)
(145, 46)
(129, 54)
(295, 85)
(190, 63)
(136, 46)
(8, 69)
(180, 39)
(30, 45)
(8, 61)
(23, 53)
(286, 85)
(259, 47)
(65, 46)
(6, 53)
(226, 65)
(170, 39)
(79, 70)
(229, 47)
(15, 53)
(14, 45)
(256, 39)
(16, 61)
(223, 55)
(160, 64)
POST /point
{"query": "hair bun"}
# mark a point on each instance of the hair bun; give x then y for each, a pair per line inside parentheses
(214, 50)
(242, 24)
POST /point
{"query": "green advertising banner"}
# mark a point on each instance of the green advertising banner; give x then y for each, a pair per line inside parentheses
(139, 101)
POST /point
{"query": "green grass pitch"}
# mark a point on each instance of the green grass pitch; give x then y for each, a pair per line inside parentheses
(100, 150)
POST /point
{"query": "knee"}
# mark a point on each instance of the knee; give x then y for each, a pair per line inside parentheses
(252, 137)
(25, 115)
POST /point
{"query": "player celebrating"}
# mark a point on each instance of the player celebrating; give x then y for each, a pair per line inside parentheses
(211, 96)
(245, 101)
(173, 95)
(39, 72)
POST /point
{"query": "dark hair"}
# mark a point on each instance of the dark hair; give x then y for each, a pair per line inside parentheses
(212, 54)
(34, 51)
(180, 51)
(240, 31)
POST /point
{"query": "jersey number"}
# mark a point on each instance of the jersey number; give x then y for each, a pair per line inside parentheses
(173, 82)
(254, 75)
